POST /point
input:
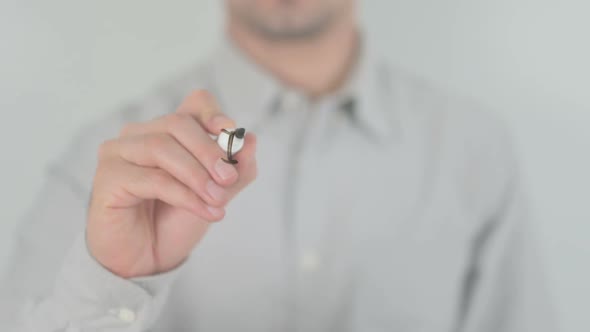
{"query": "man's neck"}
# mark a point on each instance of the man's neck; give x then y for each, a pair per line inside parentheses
(316, 66)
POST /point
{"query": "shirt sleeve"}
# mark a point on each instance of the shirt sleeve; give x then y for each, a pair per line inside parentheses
(54, 284)
(505, 289)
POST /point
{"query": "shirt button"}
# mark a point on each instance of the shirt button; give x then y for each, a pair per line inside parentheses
(310, 261)
(126, 315)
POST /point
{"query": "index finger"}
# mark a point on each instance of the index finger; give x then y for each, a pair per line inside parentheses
(203, 106)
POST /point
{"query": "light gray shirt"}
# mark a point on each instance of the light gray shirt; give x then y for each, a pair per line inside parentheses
(391, 205)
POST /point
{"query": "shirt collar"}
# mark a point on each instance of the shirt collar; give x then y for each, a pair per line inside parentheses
(369, 91)
(247, 92)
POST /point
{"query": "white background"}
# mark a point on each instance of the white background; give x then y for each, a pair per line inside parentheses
(64, 63)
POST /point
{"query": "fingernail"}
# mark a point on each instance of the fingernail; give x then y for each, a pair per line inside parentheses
(215, 212)
(215, 191)
(225, 170)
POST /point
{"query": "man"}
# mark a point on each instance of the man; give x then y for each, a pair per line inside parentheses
(381, 203)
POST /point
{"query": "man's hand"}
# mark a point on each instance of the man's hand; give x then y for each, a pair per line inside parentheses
(159, 185)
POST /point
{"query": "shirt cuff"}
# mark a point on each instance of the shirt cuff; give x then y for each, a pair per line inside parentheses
(93, 297)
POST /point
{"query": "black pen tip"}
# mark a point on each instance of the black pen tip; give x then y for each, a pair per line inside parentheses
(240, 132)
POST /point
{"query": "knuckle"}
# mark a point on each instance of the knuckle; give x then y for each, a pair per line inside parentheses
(202, 95)
(102, 171)
(176, 120)
(105, 149)
(157, 143)
(187, 195)
(204, 102)
(160, 179)
(128, 129)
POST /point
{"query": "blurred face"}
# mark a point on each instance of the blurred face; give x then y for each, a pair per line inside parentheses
(287, 19)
